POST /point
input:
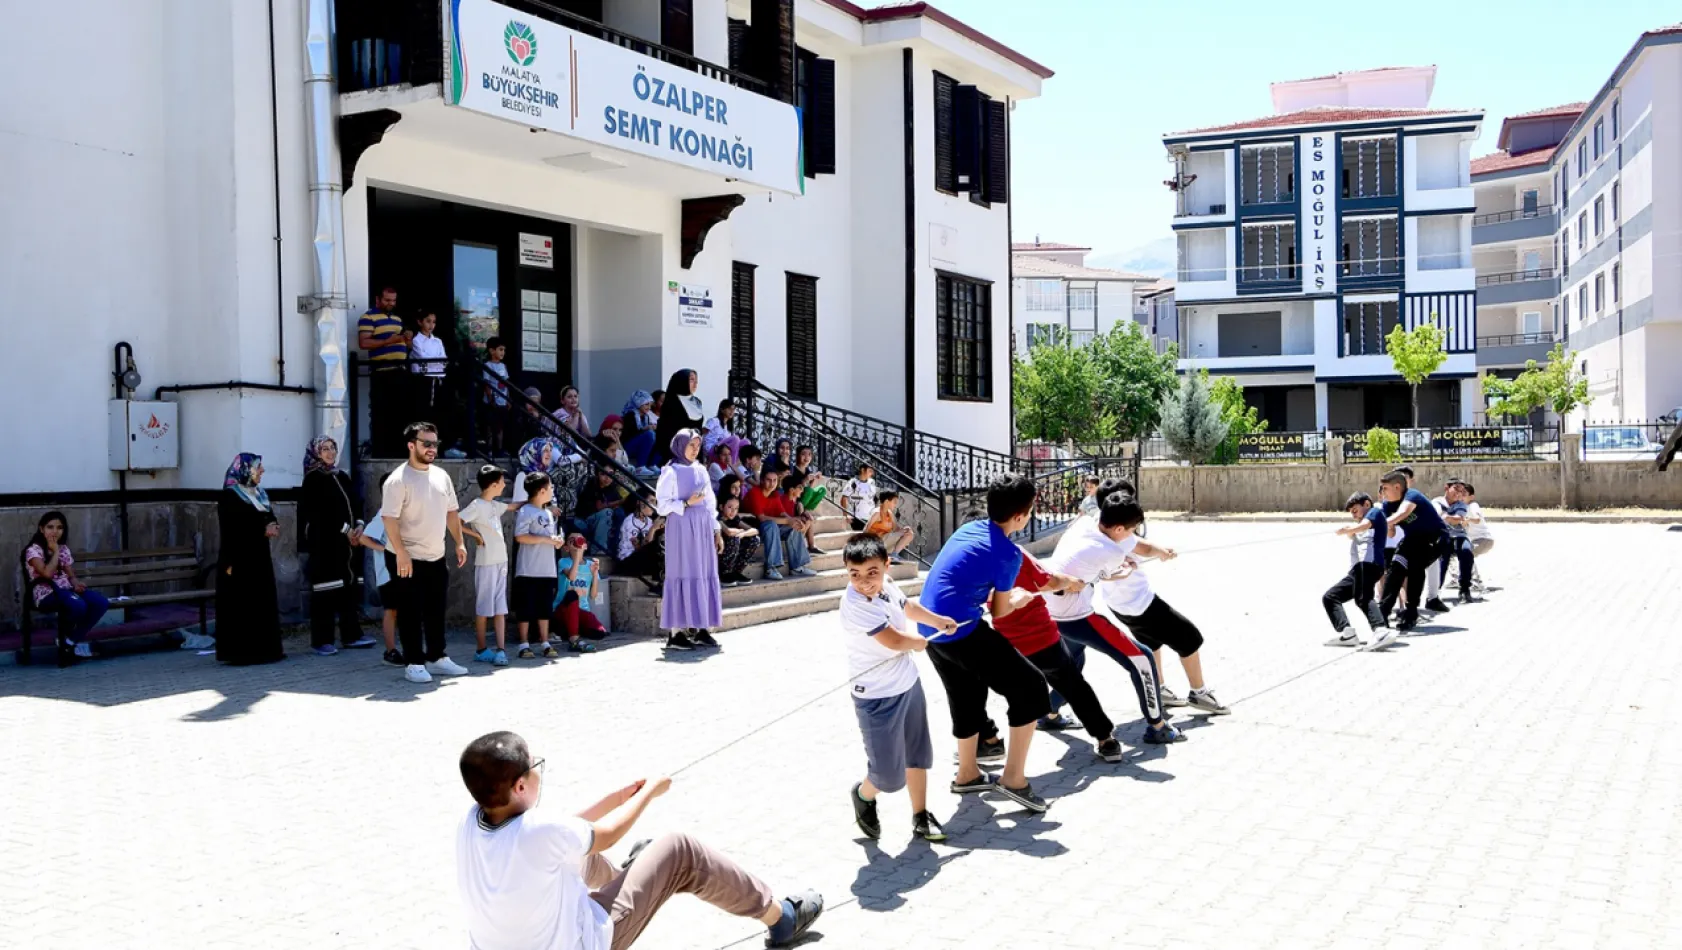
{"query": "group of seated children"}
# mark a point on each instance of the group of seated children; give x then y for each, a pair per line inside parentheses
(1400, 550)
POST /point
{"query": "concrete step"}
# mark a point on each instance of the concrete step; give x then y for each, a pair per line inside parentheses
(637, 610)
(750, 615)
(791, 587)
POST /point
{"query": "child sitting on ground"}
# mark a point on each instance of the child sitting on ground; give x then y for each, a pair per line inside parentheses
(885, 525)
(887, 692)
(574, 617)
(534, 566)
(481, 520)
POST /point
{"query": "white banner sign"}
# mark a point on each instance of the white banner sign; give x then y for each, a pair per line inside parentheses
(1319, 212)
(514, 66)
(694, 305)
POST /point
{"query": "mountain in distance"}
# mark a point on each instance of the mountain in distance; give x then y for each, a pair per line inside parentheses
(1157, 258)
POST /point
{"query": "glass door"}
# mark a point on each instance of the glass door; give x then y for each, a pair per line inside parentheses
(477, 304)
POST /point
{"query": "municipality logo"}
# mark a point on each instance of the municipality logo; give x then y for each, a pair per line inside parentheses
(521, 43)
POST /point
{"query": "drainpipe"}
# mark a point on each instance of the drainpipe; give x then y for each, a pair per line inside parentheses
(329, 304)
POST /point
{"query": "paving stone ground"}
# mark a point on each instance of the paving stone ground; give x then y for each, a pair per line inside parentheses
(1508, 778)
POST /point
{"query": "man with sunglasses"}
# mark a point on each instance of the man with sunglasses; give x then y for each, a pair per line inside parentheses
(418, 501)
(539, 882)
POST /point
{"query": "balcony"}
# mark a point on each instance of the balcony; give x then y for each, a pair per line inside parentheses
(1513, 349)
(1517, 225)
(1541, 283)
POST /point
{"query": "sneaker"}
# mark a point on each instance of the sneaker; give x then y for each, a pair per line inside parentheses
(1110, 750)
(1385, 637)
(327, 649)
(84, 650)
(804, 572)
(395, 658)
(1023, 796)
(742, 580)
(1205, 700)
(362, 643)
(815, 551)
(501, 658)
(990, 752)
(1172, 699)
(702, 638)
(445, 666)
(1348, 639)
(982, 783)
(894, 560)
(1057, 722)
(924, 826)
(487, 655)
(864, 814)
(526, 653)
(549, 652)
(1466, 596)
(807, 906)
(1163, 735)
(1436, 605)
(415, 673)
(679, 641)
(772, 574)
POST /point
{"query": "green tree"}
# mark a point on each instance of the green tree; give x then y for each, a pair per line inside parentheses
(1383, 445)
(1056, 392)
(1416, 354)
(1133, 378)
(1192, 424)
(1556, 385)
(1241, 418)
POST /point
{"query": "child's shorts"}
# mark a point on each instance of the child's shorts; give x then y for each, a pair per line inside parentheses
(490, 584)
(533, 597)
(896, 736)
(1163, 626)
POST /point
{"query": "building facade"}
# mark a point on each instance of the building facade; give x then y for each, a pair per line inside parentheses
(1304, 237)
(804, 190)
(1056, 296)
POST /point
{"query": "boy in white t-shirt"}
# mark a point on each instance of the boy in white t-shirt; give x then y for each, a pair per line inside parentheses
(887, 693)
(482, 521)
(858, 497)
(531, 882)
(1477, 529)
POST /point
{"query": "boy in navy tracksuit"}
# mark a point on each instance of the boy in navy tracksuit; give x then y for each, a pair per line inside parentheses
(1366, 566)
(1411, 511)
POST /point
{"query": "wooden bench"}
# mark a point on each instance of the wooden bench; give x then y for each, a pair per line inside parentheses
(106, 571)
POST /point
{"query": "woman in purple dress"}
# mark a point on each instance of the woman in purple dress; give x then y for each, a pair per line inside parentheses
(693, 598)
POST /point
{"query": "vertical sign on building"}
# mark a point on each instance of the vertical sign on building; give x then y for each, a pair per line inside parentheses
(1319, 212)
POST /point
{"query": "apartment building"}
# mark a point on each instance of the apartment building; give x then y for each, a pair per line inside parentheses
(1056, 295)
(1305, 236)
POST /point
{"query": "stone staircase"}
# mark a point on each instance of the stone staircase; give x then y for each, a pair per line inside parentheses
(635, 609)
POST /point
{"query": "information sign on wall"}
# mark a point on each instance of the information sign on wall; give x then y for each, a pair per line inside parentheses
(694, 304)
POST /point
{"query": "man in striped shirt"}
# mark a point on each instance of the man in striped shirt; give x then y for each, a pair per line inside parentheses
(384, 342)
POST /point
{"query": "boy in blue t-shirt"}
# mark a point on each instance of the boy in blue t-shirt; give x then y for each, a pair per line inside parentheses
(975, 570)
(1366, 565)
(1414, 513)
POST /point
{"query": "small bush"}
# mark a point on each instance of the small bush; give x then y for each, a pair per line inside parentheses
(1383, 445)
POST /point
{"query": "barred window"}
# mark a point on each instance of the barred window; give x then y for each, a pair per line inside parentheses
(963, 310)
(1366, 325)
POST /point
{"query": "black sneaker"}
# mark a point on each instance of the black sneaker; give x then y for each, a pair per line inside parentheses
(990, 752)
(982, 783)
(1023, 796)
(1163, 735)
(807, 906)
(924, 826)
(1436, 605)
(395, 658)
(1110, 750)
(702, 638)
(679, 640)
(864, 814)
(1057, 722)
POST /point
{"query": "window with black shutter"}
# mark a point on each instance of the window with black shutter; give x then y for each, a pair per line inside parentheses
(814, 94)
(966, 111)
(738, 46)
(677, 25)
(998, 153)
(945, 158)
(741, 319)
(963, 338)
(802, 336)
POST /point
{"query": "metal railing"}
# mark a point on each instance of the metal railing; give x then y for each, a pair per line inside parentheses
(940, 464)
(1516, 276)
(1516, 339)
(1518, 214)
(1643, 438)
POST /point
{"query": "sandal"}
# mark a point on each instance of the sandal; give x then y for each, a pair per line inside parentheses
(581, 646)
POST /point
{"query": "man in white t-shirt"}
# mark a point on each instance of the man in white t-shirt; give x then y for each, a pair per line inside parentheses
(417, 504)
(531, 882)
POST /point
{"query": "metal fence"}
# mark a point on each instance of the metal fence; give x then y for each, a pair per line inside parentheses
(1628, 440)
(1461, 442)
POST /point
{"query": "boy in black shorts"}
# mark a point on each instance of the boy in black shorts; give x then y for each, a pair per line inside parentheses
(1418, 553)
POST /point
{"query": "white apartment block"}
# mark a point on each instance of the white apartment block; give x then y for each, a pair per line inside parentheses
(1056, 296)
(1305, 236)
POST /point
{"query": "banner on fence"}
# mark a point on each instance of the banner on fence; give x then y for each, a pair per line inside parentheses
(1469, 440)
(1281, 445)
(1455, 440)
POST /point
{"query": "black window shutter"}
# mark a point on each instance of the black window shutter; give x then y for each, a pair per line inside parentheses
(677, 25)
(820, 155)
(967, 119)
(945, 158)
(998, 152)
(741, 319)
(773, 46)
(803, 336)
(738, 46)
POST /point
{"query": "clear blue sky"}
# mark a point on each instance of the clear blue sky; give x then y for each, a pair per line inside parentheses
(1088, 153)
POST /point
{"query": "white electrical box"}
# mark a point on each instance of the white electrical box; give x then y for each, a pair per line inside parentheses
(145, 436)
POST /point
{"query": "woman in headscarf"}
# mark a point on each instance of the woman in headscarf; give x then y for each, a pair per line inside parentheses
(330, 533)
(683, 410)
(641, 421)
(608, 439)
(693, 599)
(247, 609)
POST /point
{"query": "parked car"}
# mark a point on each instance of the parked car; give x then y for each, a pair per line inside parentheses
(1673, 417)
(1619, 444)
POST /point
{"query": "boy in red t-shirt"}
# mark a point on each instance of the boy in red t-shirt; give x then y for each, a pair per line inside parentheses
(781, 527)
(1033, 633)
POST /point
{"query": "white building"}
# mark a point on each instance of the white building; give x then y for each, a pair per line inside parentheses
(1619, 237)
(1054, 291)
(1293, 289)
(558, 178)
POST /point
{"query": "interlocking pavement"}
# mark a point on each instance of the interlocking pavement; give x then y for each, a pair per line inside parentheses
(1510, 777)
